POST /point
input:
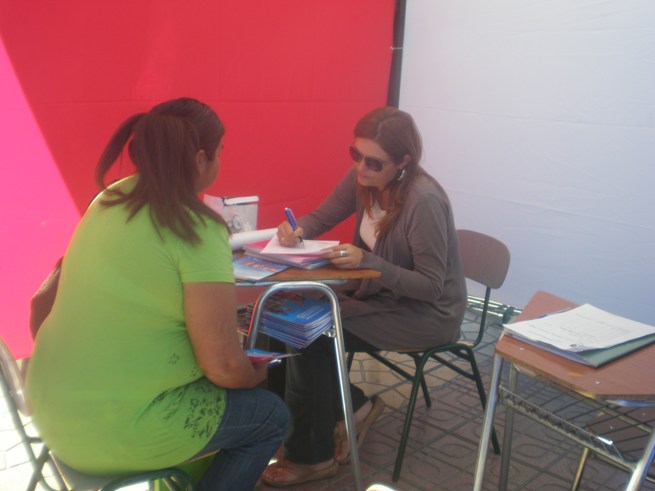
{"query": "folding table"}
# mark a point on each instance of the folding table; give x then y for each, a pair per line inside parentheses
(626, 382)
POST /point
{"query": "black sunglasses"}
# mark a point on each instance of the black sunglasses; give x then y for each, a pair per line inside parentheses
(371, 162)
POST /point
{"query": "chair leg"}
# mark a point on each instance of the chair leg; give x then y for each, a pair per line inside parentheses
(579, 471)
(174, 485)
(483, 397)
(400, 371)
(408, 417)
(426, 393)
(349, 360)
(37, 471)
(424, 385)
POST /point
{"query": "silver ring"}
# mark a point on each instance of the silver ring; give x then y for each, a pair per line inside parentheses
(343, 253)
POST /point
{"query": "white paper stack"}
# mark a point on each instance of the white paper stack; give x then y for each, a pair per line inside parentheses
(585, 334)
(295, 257)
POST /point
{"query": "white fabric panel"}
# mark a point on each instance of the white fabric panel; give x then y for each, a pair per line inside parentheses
(539, 120)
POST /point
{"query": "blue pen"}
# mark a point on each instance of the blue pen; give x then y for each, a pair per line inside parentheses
(292, 221)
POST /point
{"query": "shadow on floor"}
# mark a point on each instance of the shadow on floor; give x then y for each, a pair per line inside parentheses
(443, 444)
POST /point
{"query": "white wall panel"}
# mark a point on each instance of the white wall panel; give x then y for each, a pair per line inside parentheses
(539, 120)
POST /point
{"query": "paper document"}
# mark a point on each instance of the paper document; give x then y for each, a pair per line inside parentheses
(259, 355)
(311, 247)
(580, 329)
(304, 261)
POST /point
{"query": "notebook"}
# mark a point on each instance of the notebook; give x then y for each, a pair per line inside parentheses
(299, 260)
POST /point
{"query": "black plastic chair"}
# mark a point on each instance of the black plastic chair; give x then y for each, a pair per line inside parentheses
(50, 473)
(485, 260)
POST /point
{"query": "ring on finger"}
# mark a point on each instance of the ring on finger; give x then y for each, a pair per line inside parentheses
(343, 253)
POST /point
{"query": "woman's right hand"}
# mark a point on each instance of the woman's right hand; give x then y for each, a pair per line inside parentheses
(261, 370)
(287, 236)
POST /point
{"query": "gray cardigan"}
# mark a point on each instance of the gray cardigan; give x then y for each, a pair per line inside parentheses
(419, 300)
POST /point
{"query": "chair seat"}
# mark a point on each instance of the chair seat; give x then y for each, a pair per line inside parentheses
(80, 481)
(464, 342)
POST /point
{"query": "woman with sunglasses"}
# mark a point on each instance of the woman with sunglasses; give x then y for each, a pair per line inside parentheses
(405, 230)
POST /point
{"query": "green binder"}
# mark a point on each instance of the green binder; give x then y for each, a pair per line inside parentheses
(599, 357)
(593, 357)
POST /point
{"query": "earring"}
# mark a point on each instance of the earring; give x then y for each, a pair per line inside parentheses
(401, 176)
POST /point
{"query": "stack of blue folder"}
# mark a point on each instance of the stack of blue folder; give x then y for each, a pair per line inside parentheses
(295, 319)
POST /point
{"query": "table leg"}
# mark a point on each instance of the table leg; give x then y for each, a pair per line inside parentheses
(344, 385)
(506, 453)
(488, 425)
(640, 471)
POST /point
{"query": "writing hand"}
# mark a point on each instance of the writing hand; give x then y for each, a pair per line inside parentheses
(287, 236)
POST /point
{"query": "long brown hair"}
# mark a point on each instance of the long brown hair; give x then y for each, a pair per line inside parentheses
(396, 133)
(163, 144)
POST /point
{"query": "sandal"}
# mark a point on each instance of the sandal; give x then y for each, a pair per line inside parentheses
(362, 428)
(300, 473)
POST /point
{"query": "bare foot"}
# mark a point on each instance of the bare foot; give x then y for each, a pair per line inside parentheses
(285, 473)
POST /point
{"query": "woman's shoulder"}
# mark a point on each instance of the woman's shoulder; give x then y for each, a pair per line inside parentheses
(124, 185)
(426, 188)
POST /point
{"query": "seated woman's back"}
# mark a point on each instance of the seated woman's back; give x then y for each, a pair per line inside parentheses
(115, 352)
(139, 366)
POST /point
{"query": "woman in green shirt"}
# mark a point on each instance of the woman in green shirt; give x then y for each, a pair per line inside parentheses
(139, 365)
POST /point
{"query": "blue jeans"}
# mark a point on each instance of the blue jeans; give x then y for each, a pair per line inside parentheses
(253, 427)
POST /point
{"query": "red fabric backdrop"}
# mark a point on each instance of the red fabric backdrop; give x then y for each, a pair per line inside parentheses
(289, 78)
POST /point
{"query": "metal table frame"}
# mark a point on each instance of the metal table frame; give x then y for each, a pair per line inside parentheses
(513, 402)
(336, 333)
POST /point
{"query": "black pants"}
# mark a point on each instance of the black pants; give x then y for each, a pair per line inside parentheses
(313, 397)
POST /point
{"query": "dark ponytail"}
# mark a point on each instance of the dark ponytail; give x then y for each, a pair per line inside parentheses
(163, 144)
(114, 148)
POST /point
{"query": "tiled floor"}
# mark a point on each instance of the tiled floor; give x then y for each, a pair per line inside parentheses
(443, 443)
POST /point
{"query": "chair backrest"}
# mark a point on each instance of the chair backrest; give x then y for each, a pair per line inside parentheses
(11, 382)
(13, 379)
(484, 259)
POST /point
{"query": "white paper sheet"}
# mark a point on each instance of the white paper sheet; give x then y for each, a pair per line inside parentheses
(310, 247)
(580, 329)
